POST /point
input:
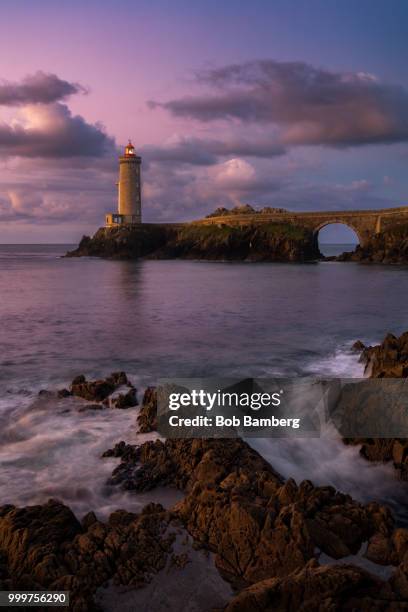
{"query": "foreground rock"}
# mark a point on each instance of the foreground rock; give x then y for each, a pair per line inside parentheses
(147, 418)
(266, 534)
(45, 547)
(319, 588)
(262, 528)
(388, 247)
(115, 391)
(386, 360)
(260, 242)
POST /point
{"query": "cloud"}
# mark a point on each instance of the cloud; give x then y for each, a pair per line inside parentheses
(310, 106)
(30, 191)
(235, 172)
(173, 193)
(206, 152)
(38, 88)
(55, 166)
(51, 131)
(355, 186)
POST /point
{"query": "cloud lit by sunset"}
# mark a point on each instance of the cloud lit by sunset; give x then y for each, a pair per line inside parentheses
(274, 119)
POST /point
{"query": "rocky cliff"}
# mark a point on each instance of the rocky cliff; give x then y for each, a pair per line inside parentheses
(267, 242)
(388, 247)
(386, 360)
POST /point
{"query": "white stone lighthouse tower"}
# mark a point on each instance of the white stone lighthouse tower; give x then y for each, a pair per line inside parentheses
(129, 190)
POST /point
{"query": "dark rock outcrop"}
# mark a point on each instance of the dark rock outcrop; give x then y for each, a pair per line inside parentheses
(125, 242)
(105, 390)
(386, 360)
(32, 538)
(237, 506)
(45, 547)
(387, 247)
(147, 417)
(260, 242)
(267, 534)
(319, 588)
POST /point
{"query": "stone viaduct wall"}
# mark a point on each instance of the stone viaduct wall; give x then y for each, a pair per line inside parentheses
(366, 223)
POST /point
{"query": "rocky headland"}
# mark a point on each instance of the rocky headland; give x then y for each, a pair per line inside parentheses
(275, 544)
(387, 247)
(278, 242)
(246, 234)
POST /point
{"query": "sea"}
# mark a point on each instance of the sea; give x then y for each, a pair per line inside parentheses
(60, 317)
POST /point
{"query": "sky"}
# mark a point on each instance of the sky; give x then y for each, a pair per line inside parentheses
(300, 104)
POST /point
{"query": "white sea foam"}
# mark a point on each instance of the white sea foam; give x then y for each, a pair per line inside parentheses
(327, 460)
(343, 363)
(48, 449)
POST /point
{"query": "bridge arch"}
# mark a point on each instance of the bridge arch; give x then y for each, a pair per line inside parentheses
(347, 223)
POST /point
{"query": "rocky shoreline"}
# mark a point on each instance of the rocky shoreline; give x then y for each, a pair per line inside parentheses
(276, 544)
(388, 247)
(277, 242)
(253, 242)
(386, 360)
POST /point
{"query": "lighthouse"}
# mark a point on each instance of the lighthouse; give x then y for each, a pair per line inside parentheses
(129, 190)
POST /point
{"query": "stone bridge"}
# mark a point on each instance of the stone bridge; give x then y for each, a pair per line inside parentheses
(365, 223)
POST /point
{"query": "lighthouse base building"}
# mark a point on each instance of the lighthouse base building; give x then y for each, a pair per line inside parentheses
(129, 191)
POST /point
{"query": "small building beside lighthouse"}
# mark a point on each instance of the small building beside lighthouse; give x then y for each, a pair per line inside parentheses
(129, 190)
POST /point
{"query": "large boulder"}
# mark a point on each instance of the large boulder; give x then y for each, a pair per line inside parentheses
(32, 538)
(45, 548)
(316, 588)
(115, 391)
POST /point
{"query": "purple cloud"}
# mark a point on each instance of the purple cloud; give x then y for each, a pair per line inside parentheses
(310, 106)
(51, 131)
(206, 152)
(38, 88)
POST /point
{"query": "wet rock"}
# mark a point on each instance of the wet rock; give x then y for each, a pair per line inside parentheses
(380, 549)
(61, 393)
(237, 506)
(32, 538)
(263, 531)
(358, 346)
(183, 462)
(78, 380)
(147, 417)
(128, 452)
(122, 400)
(386, 360)
(45, 393)
(45, 547)
(319, 588)
(261, 528)
(88, 520)
(100, 390)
